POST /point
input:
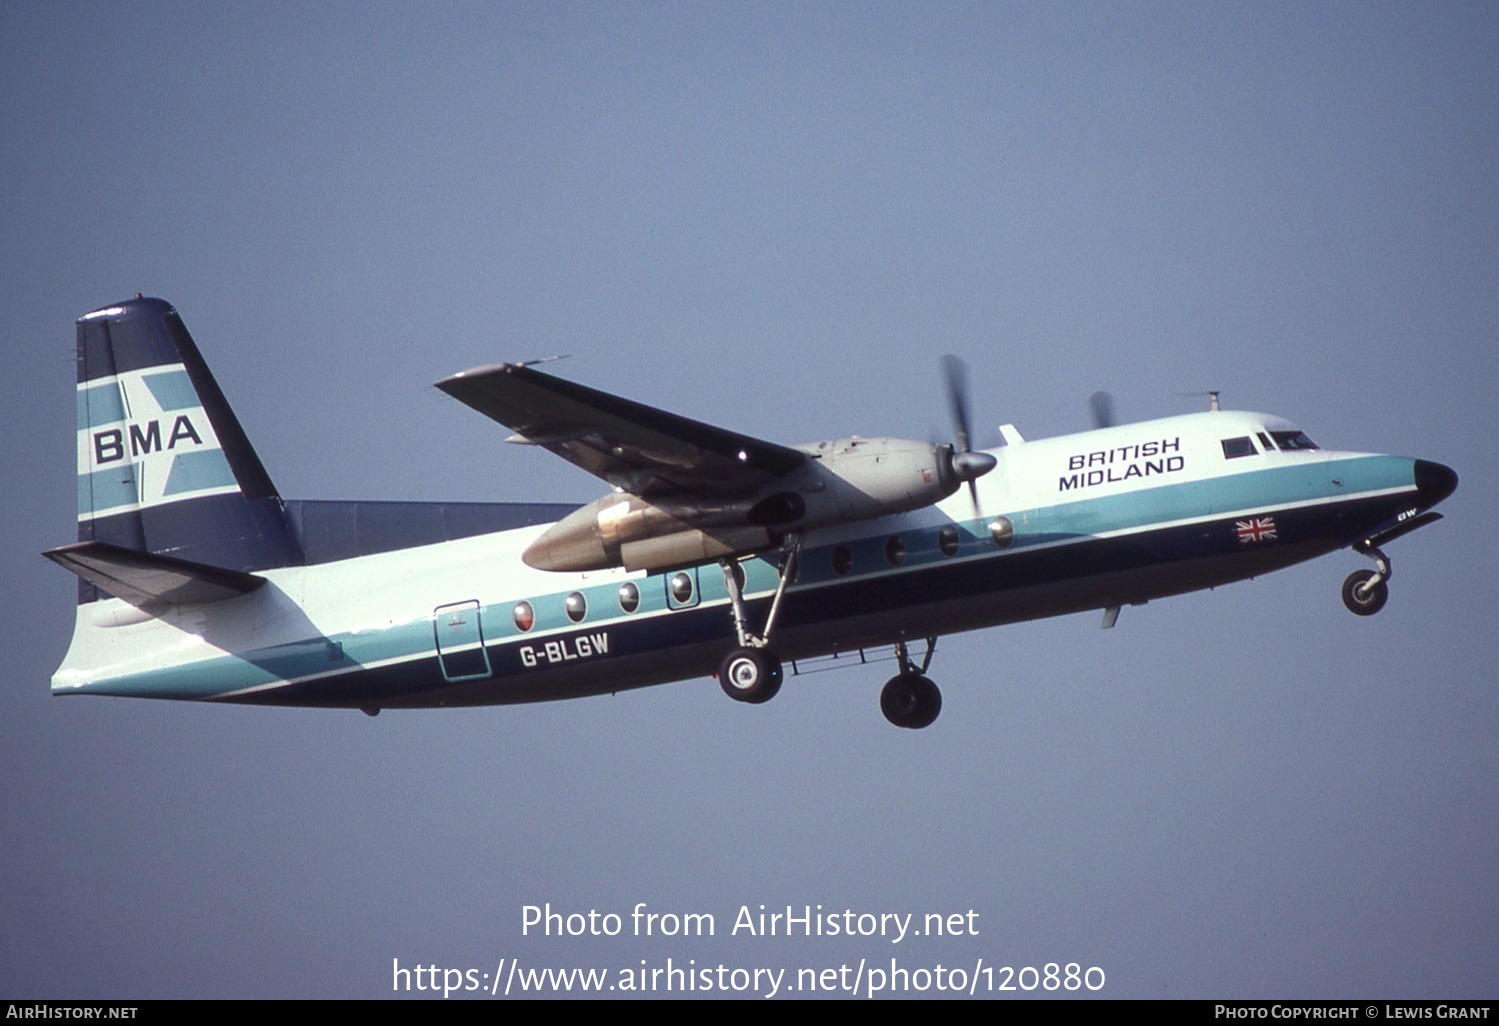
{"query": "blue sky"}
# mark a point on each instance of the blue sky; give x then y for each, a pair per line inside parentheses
(776, 218)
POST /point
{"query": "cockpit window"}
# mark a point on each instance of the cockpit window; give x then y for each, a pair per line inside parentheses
(1265, 442)
(1233, 448)
(1291, 440)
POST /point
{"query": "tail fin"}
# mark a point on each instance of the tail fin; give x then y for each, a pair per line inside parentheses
(163, 464)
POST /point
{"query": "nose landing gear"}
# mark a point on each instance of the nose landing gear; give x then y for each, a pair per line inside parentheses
(1366, 591)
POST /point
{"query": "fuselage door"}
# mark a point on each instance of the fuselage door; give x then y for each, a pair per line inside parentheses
(460, 641)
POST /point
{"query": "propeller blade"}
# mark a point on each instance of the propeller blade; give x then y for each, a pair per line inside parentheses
(1101, 404)
(956, 372)
(967, 465)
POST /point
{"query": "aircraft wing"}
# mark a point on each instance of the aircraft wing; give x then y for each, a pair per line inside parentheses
(635, 447)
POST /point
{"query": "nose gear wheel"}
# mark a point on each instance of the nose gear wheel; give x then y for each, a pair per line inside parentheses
(1364, 594)
(1366, 591)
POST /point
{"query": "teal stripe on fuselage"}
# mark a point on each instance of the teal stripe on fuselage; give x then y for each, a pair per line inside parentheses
(274, 664)
(1370, 474)
(1267, 490)
(1255, 490)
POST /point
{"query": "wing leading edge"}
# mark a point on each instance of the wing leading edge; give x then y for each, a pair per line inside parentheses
(635, 447)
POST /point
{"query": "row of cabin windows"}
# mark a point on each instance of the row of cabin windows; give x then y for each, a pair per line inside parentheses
(1287, 441)
(1001, 532)
(576, 604)
(680, 584)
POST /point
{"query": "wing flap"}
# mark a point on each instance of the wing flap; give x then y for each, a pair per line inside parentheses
(632, 446)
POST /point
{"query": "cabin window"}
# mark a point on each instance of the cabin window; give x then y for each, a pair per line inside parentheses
(577, 607)
(843, 560)
(947, 540)
(1001, 532)
(1292, 440)
(681, 587)
(895, 550)
(629, 597)
(524, 616)
(1233, 448)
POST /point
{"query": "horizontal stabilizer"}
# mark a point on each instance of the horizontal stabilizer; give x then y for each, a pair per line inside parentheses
(145, 579)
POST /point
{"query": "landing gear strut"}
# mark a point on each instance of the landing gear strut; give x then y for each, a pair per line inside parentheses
(751, 672)
(910, 699)
(1366, 591)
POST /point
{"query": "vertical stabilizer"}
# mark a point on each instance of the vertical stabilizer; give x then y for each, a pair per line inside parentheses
(163, 464)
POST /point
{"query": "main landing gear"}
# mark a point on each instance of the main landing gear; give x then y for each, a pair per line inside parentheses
(750, 675)
(751, 672)
(910, 699)
(1366, 591)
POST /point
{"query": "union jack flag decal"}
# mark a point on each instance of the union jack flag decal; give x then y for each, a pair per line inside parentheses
(1256, 529)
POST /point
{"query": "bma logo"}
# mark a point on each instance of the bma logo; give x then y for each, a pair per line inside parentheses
(110, 445)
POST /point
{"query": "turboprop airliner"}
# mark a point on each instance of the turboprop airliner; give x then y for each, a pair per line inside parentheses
(711, 553)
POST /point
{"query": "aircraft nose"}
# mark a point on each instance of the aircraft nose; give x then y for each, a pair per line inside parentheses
(1434, 482)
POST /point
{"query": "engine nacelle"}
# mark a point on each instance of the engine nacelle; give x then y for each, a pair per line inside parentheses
(844, 480)
(858, 478)
(626, 530)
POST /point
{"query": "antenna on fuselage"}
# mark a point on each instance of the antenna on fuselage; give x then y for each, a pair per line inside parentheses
(1212, 398)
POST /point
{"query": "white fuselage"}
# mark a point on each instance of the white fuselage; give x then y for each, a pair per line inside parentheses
(1096, 519)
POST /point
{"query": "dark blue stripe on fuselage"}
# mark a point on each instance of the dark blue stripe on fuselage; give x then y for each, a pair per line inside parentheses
(878, 608)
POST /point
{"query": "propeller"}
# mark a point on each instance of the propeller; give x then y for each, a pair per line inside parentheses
(967, 465)
(1101, 405)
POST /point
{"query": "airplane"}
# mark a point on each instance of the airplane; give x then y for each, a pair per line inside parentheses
(712, 552)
